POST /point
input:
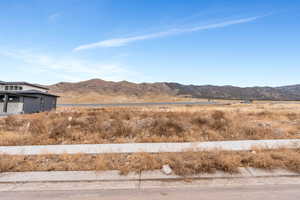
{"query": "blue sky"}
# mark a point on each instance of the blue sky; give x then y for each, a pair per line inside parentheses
(242, 43)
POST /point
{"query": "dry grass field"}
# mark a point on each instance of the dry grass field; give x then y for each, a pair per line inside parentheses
(96, 98)
(187, 163)
(153, 124)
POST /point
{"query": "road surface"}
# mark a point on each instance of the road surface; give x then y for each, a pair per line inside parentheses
(142, 104)
(272, 192)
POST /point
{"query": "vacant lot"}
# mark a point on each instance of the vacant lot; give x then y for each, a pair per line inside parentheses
(96, 98)
(153, 124)
(188, 163)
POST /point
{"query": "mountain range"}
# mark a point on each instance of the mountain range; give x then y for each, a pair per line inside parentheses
(139, 90)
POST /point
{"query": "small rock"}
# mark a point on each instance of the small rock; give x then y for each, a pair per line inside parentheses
(69, 127)
(70, 119)
(264, 124)
(254, 152)
(166, 169)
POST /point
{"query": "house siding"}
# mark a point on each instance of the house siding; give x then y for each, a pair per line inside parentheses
(31, 99)
(31, 105)
(49, 103)
(40, 104)
(12, 107)
(27, 87)
(24, 87)
(35, 103)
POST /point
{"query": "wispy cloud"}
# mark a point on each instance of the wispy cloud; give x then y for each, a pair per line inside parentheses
(117, 42)
(53, 17)
(69, 68)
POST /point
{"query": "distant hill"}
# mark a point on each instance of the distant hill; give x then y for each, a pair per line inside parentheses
(124, 88)
(110, 87)
(231, 92)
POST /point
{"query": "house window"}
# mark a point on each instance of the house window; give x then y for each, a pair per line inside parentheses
(16, 87)
(11, 87)
(6, 87)
(20, 88)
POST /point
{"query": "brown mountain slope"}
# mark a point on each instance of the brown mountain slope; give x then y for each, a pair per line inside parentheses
(109, 87)
(100, 91)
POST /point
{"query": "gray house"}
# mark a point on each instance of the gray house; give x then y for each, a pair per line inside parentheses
(23, 97)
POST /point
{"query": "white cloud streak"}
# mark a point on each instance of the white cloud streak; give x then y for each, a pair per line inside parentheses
(53, 17)
(117, 42)
(69, 68)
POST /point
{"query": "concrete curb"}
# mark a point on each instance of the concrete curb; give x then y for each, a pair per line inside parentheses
(114, 175)
(92, 180)
(242, 145)
(66, 176)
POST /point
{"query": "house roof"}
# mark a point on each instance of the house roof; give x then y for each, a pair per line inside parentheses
(27, 93)
(23, 83)
(35, 92)
(17, 95)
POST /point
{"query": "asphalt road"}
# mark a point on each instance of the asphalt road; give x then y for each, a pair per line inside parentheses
(272, 192)
(141, 104)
